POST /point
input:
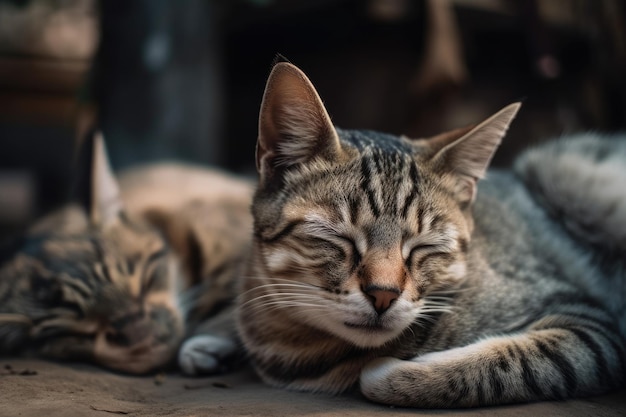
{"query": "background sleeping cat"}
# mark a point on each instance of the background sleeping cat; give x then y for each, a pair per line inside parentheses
(379, 260)
(124, 277)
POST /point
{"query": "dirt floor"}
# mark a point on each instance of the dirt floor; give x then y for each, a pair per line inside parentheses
(40, 388)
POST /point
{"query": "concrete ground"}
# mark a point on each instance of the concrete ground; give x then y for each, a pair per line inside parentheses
(36, 388)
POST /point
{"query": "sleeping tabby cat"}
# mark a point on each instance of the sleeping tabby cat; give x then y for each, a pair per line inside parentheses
(380, 261)
(123, 278)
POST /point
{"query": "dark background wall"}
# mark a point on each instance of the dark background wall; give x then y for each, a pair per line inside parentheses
(169, 79)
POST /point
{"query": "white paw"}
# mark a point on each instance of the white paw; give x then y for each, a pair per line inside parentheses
(205, 354)
(375, 376)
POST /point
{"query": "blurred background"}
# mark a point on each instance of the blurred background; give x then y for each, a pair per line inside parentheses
(183, 79)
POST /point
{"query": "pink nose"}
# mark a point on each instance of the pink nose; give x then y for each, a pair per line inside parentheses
(381, 298)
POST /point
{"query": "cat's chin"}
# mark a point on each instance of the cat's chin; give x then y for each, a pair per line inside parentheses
(360, 326)
(369, 336)
(364, 334)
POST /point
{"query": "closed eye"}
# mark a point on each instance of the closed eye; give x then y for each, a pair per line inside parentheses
(356, 255)
(423, 250)
(322, 228)
(157, 256)
(153, 270)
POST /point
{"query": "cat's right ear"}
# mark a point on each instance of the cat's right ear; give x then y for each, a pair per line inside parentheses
(97, 188)
(294, 126)
(466, 153)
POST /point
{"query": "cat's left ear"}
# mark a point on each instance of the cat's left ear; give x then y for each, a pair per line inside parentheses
(466, 153)
(98, 190)
(294, 126)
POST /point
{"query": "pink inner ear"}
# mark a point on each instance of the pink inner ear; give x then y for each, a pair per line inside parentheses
(294, 126)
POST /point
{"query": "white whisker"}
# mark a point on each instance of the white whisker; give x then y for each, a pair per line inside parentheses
(276, 305)
(261, 300)
(279, 286)
(425, 317)
(292, 281)
(435, 310)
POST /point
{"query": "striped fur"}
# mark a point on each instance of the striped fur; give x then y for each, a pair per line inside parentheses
(382, 263)
(124, 278)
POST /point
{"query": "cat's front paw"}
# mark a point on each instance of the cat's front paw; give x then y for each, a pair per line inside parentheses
(397, 382)
(375, 378)
(206, 354)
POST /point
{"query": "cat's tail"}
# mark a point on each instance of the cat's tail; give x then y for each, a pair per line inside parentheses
(581, 181)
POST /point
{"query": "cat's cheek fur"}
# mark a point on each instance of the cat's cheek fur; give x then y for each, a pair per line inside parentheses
(280, 259)
(457, 270)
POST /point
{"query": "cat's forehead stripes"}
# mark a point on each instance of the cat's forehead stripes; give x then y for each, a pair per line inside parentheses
(381, 155)
(368, 188)
(413, 190)
(382, 182)
(389, 194)
(119, 255)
